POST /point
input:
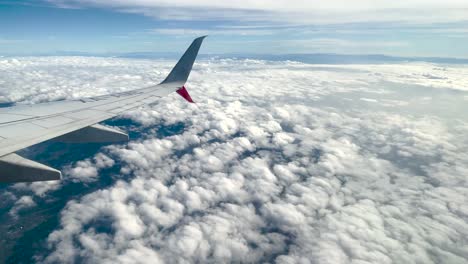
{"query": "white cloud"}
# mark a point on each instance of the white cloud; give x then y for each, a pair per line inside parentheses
(273, 164)
(211, 32)
(87, 170)
(267, 5)
(38, 188)
(43, 78)
(290, 11)
(22, 203)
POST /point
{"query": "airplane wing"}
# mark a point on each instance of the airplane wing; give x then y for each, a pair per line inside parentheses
(77, 121)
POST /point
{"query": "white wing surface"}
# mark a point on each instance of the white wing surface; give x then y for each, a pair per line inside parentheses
(76, 121)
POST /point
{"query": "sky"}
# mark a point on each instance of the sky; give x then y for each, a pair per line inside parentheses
(278, 161)
(403, 28)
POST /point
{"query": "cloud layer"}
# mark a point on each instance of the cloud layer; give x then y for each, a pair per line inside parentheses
(286, 11)
(277, 162)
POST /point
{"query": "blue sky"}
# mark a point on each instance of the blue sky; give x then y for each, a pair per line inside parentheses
(413, 28)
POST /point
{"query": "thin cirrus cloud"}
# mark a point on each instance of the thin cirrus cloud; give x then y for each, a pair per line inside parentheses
(213, 32)
(334, 11)
(278, 162)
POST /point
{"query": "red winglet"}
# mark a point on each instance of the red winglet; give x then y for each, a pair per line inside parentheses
(184, 93)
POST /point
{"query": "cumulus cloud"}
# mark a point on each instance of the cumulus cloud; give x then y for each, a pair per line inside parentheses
(87, 170)
(45, 79)
(277, 162)
(22, 203)
(38, 188)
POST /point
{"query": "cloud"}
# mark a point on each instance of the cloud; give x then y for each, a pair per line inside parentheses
(286, 11)
(264, 5)
(278, 202)
(22, 203)
(44, 79)
(277, 162)
(331, 45)
(211, 32)
(271, 166)
(87, 170)
(38, 188)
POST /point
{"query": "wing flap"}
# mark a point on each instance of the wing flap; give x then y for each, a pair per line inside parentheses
(94, 134)
(14, 168)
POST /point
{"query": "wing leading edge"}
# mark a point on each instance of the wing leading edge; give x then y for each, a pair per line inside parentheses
(77, 121)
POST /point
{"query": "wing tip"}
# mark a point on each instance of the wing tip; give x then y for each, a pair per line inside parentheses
(181, 71)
